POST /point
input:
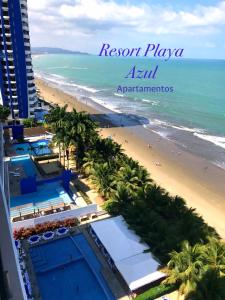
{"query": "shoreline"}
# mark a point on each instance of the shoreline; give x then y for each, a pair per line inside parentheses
(181, 173)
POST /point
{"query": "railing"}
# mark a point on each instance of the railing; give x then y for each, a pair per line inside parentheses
(73, 213)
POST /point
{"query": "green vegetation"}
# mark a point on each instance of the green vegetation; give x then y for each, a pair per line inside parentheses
(29, 122)
(176, 234)
(156, 292)
(32, 122)
(4, 113)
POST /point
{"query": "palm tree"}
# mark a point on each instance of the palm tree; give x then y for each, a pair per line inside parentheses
(185, 268)
(80, 131)
(129, 176)
(214, 255)
(101, 176)
(56, 119)
(91, 157)
(119, 200)
(210, 287)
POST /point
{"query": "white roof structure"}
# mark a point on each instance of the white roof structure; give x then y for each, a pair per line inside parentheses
(124, 247)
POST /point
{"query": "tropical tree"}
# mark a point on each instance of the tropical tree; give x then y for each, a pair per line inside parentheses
(214, 255)
(29, 122)
(210, 287)
(119, 200)
(185, 268)
(91, 157)
(4, 113)
(101, 176)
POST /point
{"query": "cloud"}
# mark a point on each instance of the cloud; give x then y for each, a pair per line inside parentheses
(92, 15)
(93, 20)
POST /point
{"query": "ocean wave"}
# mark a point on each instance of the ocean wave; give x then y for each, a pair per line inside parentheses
(157, 122)
(220, 164)
(60, 80)
(193, 130)
(152, 102)
(118, 95)
(105, 104)
(68, 67)
(216, 140)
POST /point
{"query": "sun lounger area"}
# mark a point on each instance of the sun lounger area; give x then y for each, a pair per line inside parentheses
(29, 211)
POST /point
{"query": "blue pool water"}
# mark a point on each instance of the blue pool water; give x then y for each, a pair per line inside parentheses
(33, 148)
(47, 192)
(50, 191)
(26, 162)
(68, 269)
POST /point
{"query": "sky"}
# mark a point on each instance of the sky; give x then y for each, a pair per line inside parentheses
(197, 26)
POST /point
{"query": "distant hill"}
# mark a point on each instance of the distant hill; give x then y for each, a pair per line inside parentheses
(49, 50)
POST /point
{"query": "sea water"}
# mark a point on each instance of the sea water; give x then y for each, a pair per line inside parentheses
(193, 115)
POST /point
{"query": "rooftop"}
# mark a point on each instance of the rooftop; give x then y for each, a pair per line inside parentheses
(128, 253)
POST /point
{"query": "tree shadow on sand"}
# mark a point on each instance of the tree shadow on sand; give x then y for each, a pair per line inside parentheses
(110, 120)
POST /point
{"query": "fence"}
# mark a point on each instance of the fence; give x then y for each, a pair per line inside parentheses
(73, 213)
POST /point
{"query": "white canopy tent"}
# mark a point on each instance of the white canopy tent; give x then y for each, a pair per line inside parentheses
(124, 247)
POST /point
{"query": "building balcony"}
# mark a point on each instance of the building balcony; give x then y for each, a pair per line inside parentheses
(11, 67)
(8, 43)
(29, 68)
(24, 11)
(30, 75)
(32, 95)
(6, 26)
(25, 27)
(5, 17)
(27, 44)
(23, 2)
(25, 33)
(30, 81)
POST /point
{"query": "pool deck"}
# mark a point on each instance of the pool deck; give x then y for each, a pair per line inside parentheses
(113, 279)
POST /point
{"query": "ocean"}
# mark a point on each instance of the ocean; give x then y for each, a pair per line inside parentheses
(192, 115)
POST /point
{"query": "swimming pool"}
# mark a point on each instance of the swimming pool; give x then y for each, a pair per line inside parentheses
(28, 165)
(46, 192)
(68, 269)
(50, 191)
(37, 148)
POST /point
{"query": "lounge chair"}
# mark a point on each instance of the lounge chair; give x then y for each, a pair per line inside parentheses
(48, 235)
(34, 239)
(67, 207)
(16, 219)
(29, 216)
(62, 231)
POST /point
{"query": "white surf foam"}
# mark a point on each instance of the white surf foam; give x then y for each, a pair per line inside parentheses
(193, 130)
(105, 104)
(118, 95)
(152, 102)
(60, 80)
(216, 140)
(68, 67)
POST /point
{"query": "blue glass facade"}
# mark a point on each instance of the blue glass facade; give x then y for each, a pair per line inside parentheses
(15, 79)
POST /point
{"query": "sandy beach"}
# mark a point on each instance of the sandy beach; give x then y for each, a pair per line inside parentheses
(181, 173)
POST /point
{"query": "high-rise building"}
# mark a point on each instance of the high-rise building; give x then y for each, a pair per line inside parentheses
(16, 71)
(11, 281)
